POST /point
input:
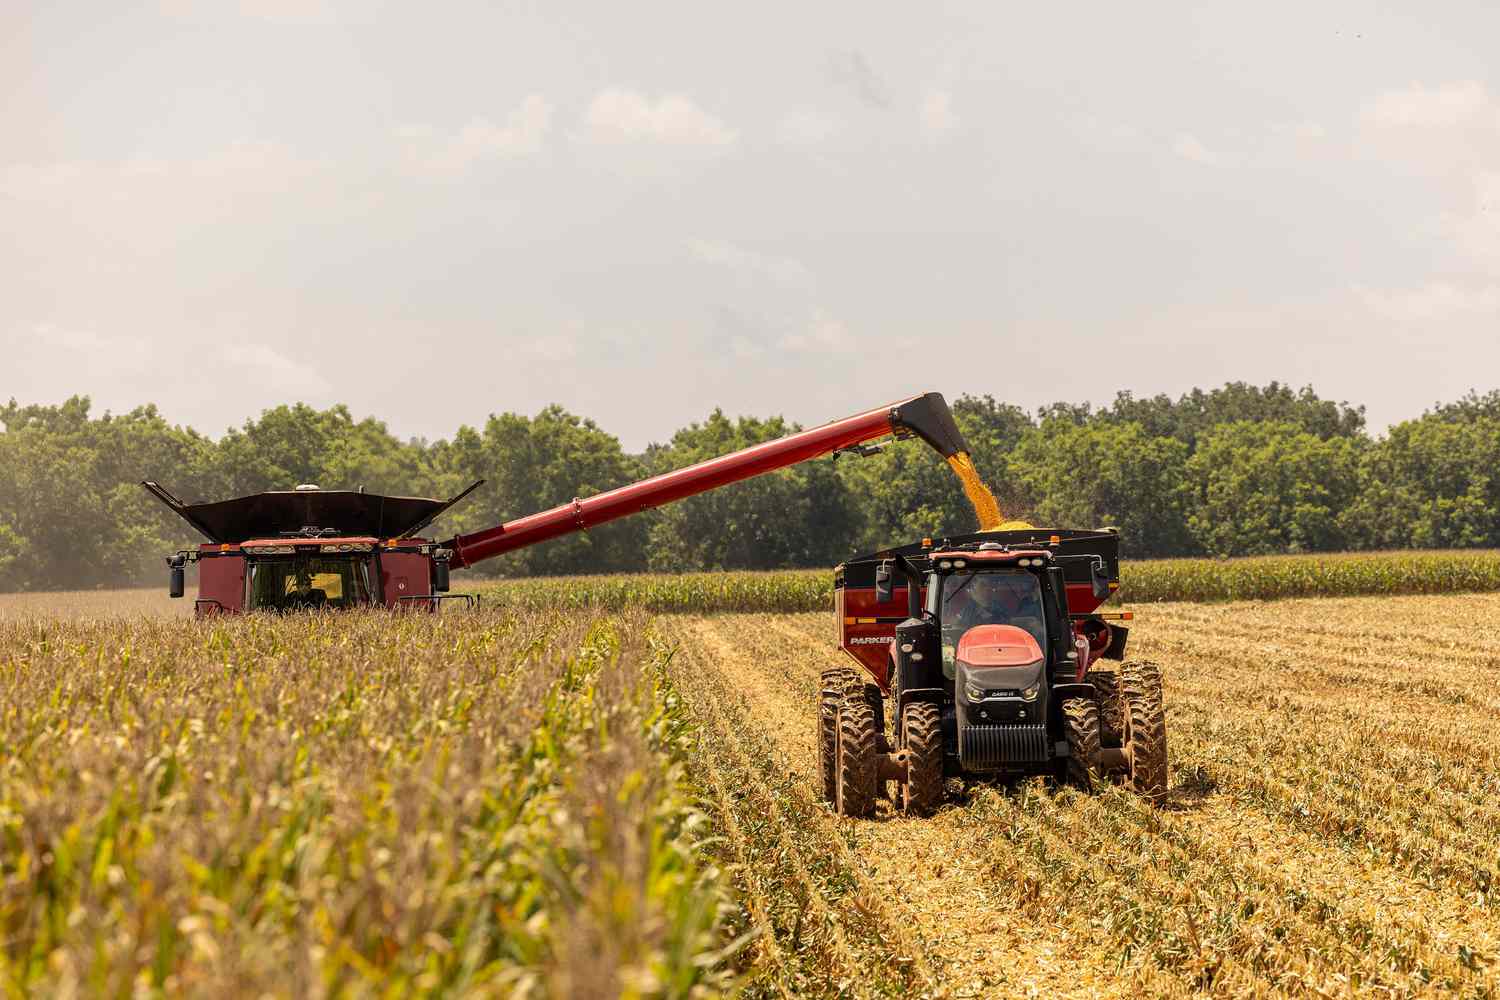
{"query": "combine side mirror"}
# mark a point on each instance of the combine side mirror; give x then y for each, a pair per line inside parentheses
(177, 577)
(883, 588)
(440, 579)
(1100, 579)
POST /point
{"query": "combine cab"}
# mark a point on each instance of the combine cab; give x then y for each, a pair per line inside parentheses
(989, 647)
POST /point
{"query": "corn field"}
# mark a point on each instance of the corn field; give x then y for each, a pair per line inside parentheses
(581, 797)
(1332, 829)
(1261, 578)
(356, 804)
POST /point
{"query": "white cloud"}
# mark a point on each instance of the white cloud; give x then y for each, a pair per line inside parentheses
(1447, 105)
(1301, 130)
(749, 265)
(275, 371)
(1432, 302)
(626, 116)
(523, 134)
(822, 335)
(806, 127)
(1189, 148)
(552, 348)
(938, 117)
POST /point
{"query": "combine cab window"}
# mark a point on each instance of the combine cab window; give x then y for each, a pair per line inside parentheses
(297, 583)
(994, 597)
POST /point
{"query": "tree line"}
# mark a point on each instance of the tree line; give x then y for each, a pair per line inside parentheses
(1236, 470)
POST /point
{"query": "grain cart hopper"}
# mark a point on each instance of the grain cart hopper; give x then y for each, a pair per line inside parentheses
(312, 548)
(988, 646)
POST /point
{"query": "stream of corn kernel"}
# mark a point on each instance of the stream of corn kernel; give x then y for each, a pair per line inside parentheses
(986, 507)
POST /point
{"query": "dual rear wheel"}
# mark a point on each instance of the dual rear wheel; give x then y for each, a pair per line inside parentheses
(852, 745)
(1131, 721)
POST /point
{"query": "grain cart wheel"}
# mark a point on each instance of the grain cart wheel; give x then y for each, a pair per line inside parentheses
(832, 686)
(1081, 726)
(1111, 706)
(1145, 729)
(922, 739)
(856, 757)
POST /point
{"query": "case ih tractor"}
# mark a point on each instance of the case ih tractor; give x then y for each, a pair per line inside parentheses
(314, 549)
(984, 644)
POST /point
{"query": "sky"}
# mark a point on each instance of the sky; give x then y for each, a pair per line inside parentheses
(645, 211)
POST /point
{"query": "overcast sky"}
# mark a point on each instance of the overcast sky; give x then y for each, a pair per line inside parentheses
(642, 211)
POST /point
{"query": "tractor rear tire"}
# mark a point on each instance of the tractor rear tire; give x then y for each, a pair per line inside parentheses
(1111, 706)
(922, 739)
(1081, 726)
(877, 705)
(833, 685)
(1145, 729)
(855, 792)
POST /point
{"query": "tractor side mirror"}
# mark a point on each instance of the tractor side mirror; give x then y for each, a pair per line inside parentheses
(1100, 579)
(177, 576)
(440, 579)
(883, 588)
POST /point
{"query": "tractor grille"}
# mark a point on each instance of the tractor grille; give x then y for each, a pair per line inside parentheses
(1000, 746)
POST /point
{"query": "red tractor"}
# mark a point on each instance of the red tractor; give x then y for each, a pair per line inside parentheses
(988, 647)
(310, 548)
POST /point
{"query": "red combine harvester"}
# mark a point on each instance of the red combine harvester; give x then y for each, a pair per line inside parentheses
(312, 548)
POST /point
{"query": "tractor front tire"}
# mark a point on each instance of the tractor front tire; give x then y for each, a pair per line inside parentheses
(1081, 726)
(922, 739)
(1145, 729)
(855, 792)
(1111, 706)
(834, 684)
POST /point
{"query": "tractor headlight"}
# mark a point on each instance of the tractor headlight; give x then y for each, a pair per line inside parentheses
(973, 692)
(1029, 694)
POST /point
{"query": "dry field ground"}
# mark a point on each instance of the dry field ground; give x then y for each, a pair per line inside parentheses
(1332, 830)
(502, 803)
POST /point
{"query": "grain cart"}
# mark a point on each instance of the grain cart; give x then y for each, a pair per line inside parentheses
(310, 548)
(988, 646)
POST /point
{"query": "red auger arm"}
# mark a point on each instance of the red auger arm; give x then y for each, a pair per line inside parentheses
(926, 416)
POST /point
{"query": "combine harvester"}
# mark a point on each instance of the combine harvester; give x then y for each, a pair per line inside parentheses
(975, 686)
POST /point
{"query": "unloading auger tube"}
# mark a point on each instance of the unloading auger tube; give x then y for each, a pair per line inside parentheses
(926, 416)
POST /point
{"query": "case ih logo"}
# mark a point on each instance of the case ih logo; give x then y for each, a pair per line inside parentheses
(871, 640)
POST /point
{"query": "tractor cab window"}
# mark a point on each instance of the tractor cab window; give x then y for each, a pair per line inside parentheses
(992, 597)
(299, 583)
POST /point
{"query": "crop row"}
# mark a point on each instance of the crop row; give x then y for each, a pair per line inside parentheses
(353, 804)
(1259, 578)
(1330, 830)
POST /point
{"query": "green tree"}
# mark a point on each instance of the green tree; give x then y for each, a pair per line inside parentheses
(800, 516)
(1271, 487)
(1430, 483)
(531, 465)
(1098, 475)
(1198, 412)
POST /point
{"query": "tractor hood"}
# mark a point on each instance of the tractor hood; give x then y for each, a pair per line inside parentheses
(284, 512)
(999, 657)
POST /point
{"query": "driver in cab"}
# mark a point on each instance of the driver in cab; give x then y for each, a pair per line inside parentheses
(998, 599)
(305, 596)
